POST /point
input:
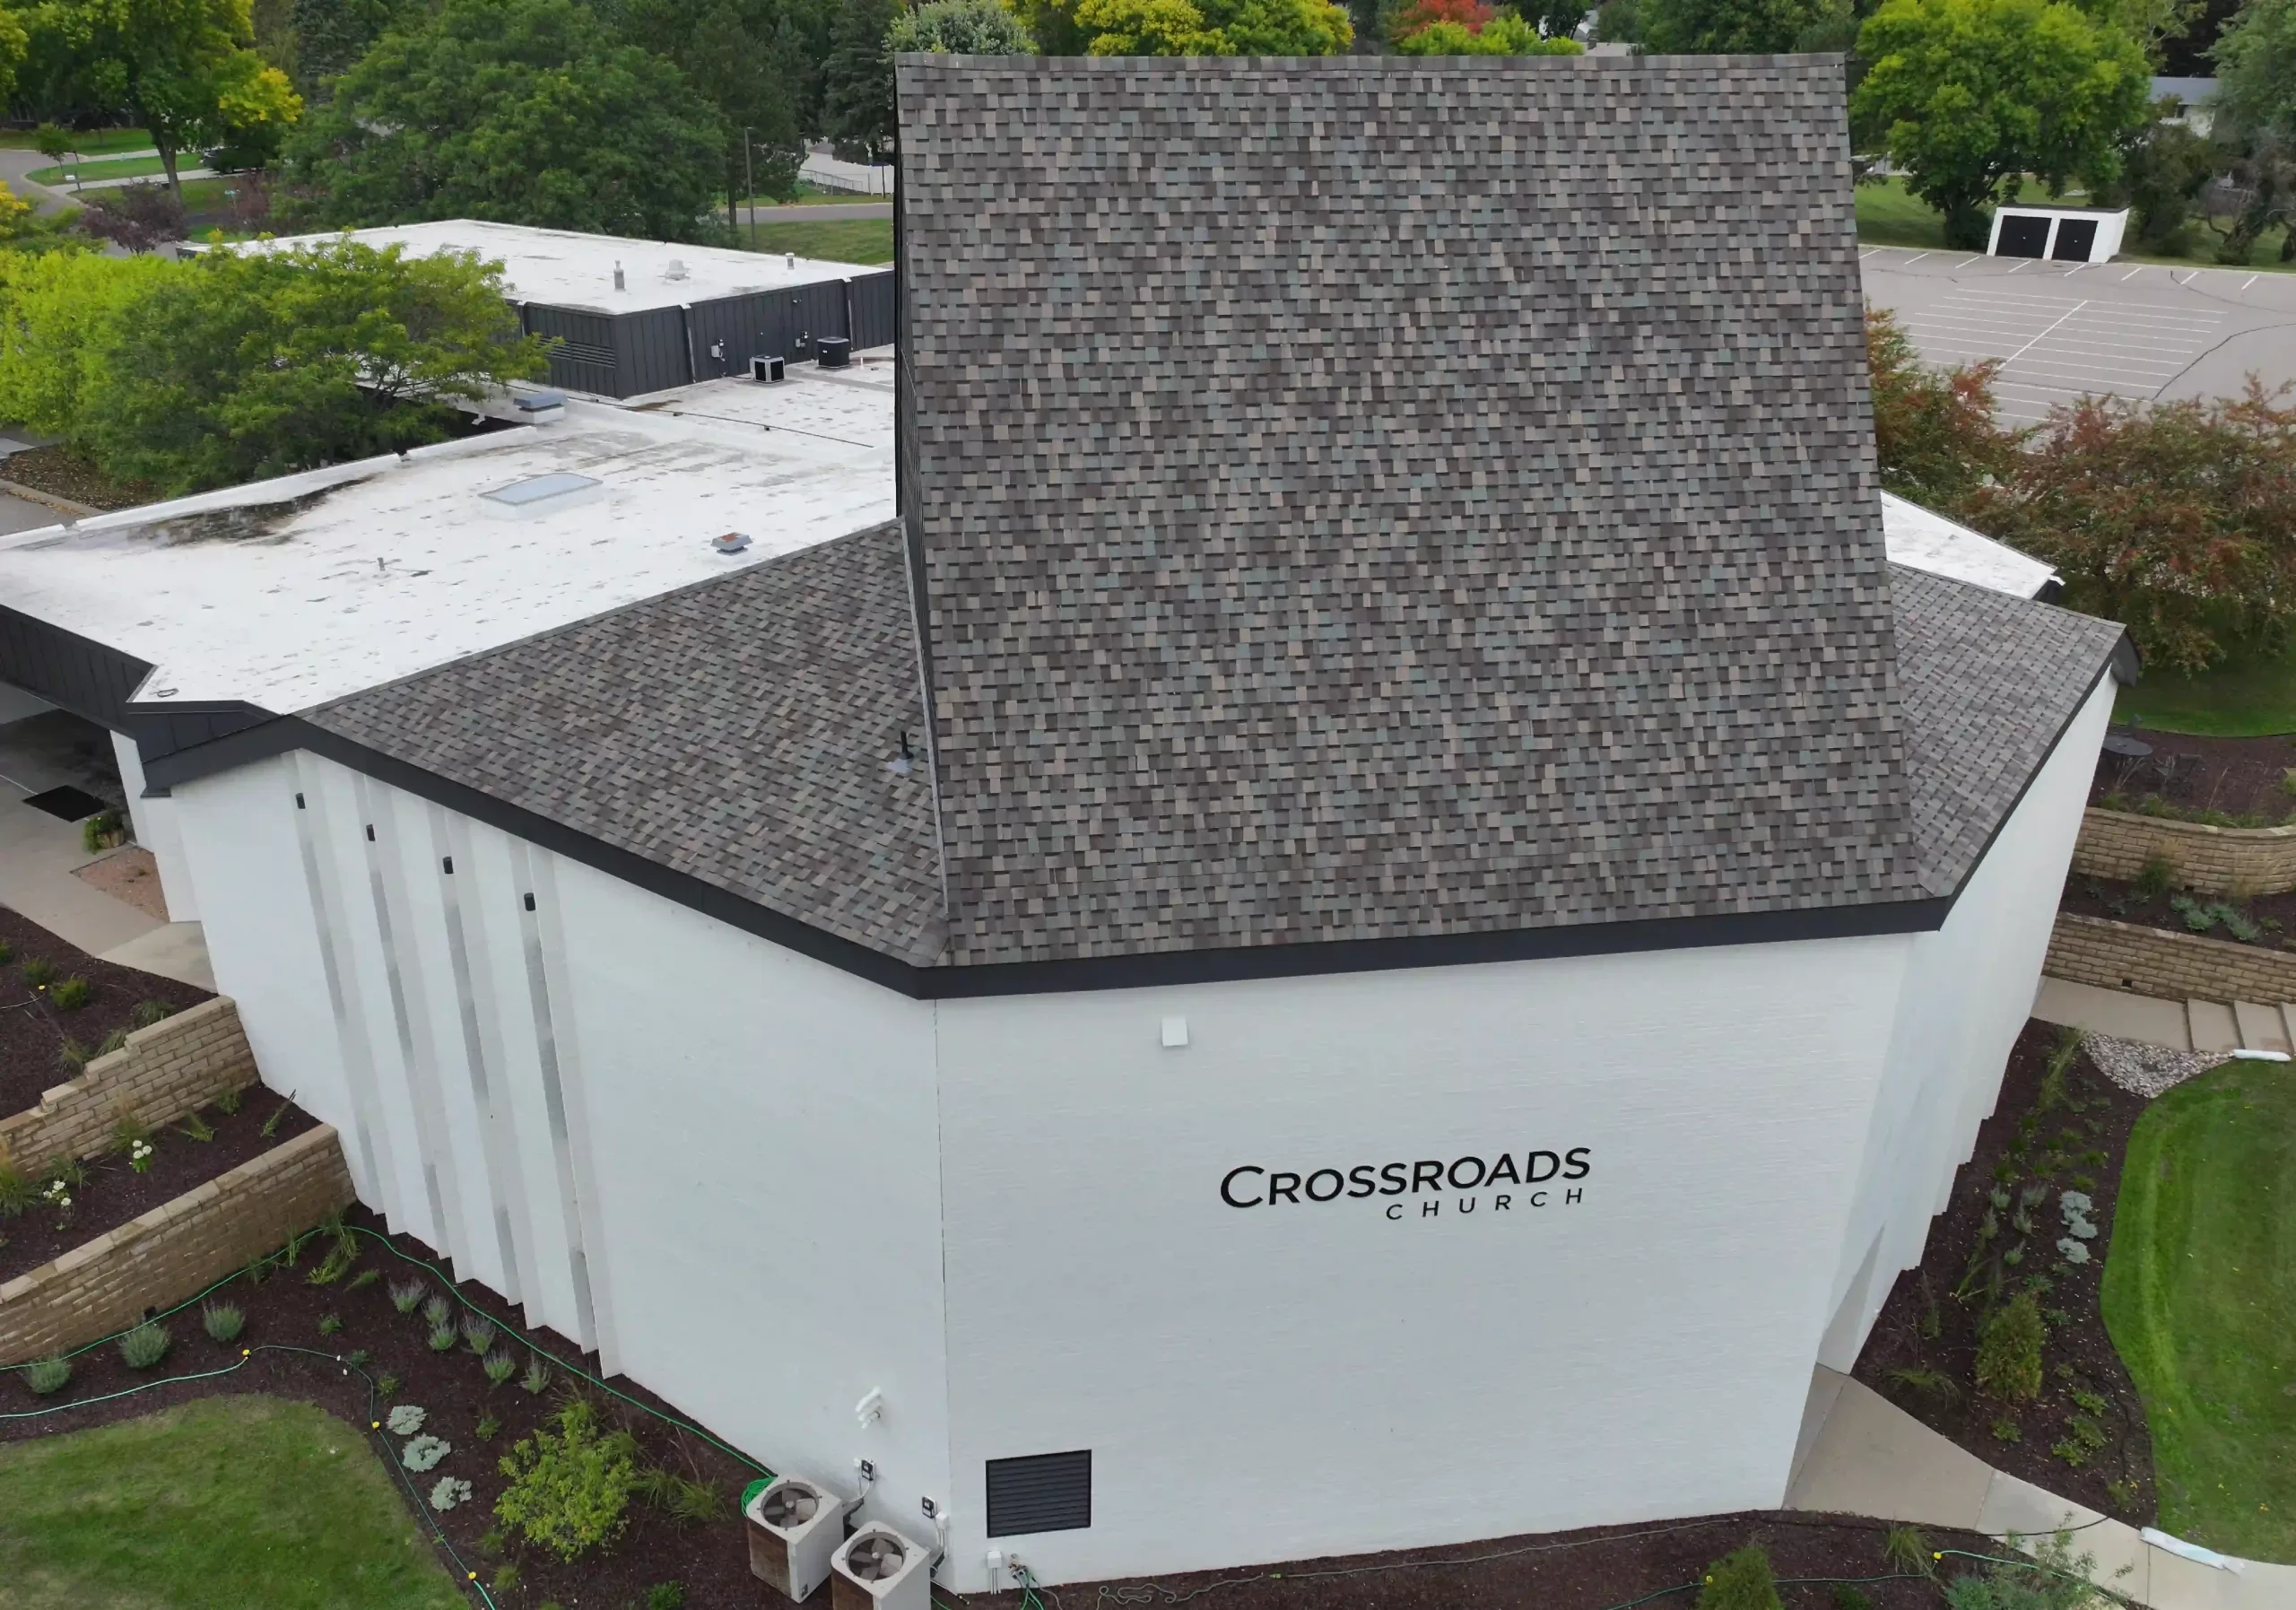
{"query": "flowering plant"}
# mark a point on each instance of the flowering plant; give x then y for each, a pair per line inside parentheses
(139, 1156)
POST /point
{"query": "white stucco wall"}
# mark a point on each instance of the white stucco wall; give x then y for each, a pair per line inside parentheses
(154, 821)
(1266, 1383)
(1969, 992)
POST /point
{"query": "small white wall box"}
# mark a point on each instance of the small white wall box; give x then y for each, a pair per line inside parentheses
(2060, 234)
(878, 1568)
(794, 1526)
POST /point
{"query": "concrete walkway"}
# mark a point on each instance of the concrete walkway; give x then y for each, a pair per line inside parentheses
(2207, 1027)
(37, 854)
(1859, 1454)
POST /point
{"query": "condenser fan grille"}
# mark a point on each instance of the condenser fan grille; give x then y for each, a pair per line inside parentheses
(875, 1559)
(789, 1505)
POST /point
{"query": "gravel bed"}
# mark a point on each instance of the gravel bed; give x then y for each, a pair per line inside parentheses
(2145, 1070)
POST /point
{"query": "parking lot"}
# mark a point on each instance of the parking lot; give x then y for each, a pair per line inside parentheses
(2062, 330)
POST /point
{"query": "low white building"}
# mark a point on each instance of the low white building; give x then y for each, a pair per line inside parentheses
(1346, 897)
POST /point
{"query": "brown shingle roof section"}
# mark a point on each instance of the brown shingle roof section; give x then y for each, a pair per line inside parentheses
(1989, 684)
(1381, 497)
(737, 732)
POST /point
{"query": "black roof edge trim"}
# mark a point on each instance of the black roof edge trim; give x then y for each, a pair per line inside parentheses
(286, 734)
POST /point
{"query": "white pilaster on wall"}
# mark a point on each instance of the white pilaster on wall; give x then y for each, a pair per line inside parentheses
(157, 831)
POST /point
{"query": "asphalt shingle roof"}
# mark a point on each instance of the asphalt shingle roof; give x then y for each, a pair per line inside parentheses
(738, 731)
(1385, 496)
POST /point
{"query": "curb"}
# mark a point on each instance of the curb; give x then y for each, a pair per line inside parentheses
(33, 494)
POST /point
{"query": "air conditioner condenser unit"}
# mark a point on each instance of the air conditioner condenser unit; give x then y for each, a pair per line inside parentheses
(878, 1568)
(769, 368)
(794, 1526)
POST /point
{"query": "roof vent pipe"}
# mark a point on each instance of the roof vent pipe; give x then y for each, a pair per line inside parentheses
(617, 282)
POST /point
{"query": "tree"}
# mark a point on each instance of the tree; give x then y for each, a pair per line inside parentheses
(1215, 28)
(961, 28)
(1932, 432)
(49, 305)
(1501, 36)
(53, 143)
(137, 217)
(2255, 120)
(857, 79)
(1973, 94)
(522, 111)
(1734, 27)
(2163, 168)
(182, 68)
(331, 35)
(245, 365)
(2173, 518)
(726, 50)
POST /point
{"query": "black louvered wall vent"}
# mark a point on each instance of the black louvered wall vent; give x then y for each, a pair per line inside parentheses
(1044, 1493)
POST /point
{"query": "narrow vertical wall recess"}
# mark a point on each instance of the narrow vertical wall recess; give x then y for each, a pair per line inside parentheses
(370, 1146)
(554, 1099)
(410, 1016)
(505, 1182)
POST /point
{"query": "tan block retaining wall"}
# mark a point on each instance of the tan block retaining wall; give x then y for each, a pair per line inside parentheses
(174, 1251)
(177, 1065)
(2215, 860)
(2176, 967)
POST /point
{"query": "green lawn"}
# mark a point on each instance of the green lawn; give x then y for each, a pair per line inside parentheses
(2200, 1297)
(95, 142)
(863, 240)
(2251, 698)
(115, 168)
(220, 1504)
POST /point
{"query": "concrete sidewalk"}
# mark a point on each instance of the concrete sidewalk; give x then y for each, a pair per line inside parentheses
(37, 854)
(2113, 1011)
(1859, 1454)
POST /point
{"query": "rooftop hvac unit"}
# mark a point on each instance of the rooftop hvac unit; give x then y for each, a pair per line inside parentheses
(878, 1568)
(794, 1527)
(768, 368)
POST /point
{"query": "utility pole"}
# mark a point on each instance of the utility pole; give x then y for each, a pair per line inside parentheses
(749, 186)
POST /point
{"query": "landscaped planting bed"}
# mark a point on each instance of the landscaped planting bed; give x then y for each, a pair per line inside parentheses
(148, 1167)
(2265, 920)
(36, 1029)
(64, 474)
(344, 1346)
(2007, 1239)
(2228, 782)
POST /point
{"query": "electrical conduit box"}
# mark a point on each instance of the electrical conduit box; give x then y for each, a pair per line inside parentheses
(794, 1526)
(878, 1568)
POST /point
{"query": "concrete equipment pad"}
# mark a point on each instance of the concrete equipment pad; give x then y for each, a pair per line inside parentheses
(2112, 1011)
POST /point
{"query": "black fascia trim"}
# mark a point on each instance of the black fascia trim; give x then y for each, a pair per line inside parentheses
(289, 732)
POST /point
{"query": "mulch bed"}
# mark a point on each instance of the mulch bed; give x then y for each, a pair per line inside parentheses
(291, 1358)
(33, 1032)
(1592, 1570)
(1925, 1326)
(114, 1192)
(66, 474)
(2239, 777)
(2273, 915)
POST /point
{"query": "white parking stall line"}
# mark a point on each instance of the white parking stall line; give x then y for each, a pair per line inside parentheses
(2020, 267)
(2133, 272)
(2169, 321)
(1909, 262)
(2251, 279)
(1965, 262)
(2083, 336)
(1868, 252)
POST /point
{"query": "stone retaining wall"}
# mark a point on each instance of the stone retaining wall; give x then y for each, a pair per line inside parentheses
(174, 1251)
(177, 1065)
(2239, 861)
(2176, 967)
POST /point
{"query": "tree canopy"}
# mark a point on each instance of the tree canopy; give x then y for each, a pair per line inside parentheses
(181, 67)
(756, 61)
(1934, 431)
(961, 28)
(1215, 28)
(1735, 27)
(1504, 35)
(522, 111)
(1969, 95)
(2255, 70)
(857, 79)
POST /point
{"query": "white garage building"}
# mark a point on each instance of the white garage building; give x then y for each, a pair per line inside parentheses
(1378, 873)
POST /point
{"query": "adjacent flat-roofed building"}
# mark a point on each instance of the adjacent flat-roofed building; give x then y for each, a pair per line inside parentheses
(1367, 915)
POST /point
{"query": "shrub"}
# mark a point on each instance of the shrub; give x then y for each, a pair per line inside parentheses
(423, 1452)
(223, 1320)
(679, 1497)
(2154, 878)
(666, 1595)
(405, 1419)
(196, 1127)
(329, 1324)
(536, 1379)
(72, 1057)
(478, 1334)
(2009, 1350)
(365, 1278)
(1742, 1580)
(488, 1429)
(1907, 1548)
(271, 1124)
(1845, 1597)
(49, 1376)
(443, 1338)
(451, 1490)
(1929, 1383)
(440, 1309)
(73, 993)
(145, 1346)
(128, 1131)
(570, 1487)
(499, 1366)
(228, 1103)
(386, 1386)
(144, 1014)
(407, 1295)
(2056, 1579)
(38, 971)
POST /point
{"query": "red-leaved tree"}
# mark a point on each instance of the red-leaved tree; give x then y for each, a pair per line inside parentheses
(1469, 15)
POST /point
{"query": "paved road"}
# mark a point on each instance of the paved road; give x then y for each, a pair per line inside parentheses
(14, 165)
(2134, 330)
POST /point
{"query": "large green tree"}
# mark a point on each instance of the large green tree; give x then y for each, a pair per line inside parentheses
(233, 366)
(728, 50)
(1971, 95)
(1214, 27)
(523, 111)
(330, 35)
(1735, 27)
(182, 68)
(857, 79)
